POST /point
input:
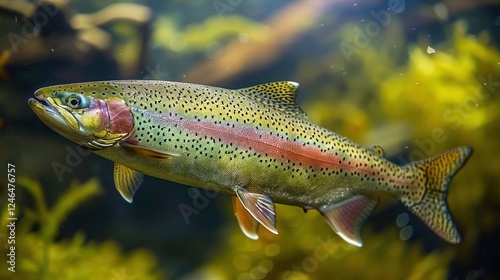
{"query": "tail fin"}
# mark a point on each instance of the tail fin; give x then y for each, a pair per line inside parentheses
(431, 208)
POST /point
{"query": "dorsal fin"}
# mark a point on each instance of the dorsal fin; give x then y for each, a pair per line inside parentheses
(279, 95)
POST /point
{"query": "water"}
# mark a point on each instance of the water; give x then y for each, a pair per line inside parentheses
(416, 78)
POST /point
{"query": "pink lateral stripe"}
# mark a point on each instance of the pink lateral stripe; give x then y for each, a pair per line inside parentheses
(271, 145)
(282, 150)
(262, 143)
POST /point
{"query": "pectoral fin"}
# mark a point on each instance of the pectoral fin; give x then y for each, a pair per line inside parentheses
(148, 152)
(348, 216)
(248, 224)
(260, 207)
(127, 181)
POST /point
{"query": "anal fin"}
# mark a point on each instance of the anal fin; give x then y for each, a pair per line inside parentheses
(260, 207)
(127, 181)
(348, 216)
(248, 224)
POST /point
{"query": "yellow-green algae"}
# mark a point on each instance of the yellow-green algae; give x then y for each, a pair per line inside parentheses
(197, 37)
(307, 250)
(39, 255)
(456, 92)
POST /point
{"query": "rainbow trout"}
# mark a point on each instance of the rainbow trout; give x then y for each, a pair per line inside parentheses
(252, 143)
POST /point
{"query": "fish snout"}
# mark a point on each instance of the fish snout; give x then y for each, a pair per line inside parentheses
(41, 94)
(32, 102)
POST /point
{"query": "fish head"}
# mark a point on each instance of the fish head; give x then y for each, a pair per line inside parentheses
(86, 114)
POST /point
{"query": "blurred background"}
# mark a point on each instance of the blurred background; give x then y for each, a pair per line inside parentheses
(416, 77)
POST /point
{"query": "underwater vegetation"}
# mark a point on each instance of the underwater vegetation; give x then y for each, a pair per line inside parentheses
(317, 253)
(42, 255)
(50, 32)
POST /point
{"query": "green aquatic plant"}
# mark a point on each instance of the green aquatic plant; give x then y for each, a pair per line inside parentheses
(451, 98)
(206, 36)
(449, 87)
(305, 249)
(41, 255)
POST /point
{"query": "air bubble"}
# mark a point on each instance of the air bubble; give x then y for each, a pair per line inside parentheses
(406, 233)
(402, 219)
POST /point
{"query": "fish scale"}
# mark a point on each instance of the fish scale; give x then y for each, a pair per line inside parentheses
(253, 143)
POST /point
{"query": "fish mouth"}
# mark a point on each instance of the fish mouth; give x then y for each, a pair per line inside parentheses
(39, 105)
(58, 119)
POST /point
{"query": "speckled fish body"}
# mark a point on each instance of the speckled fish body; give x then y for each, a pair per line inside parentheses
(253, 143)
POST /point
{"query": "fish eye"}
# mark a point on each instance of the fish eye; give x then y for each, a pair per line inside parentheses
(77, 101)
